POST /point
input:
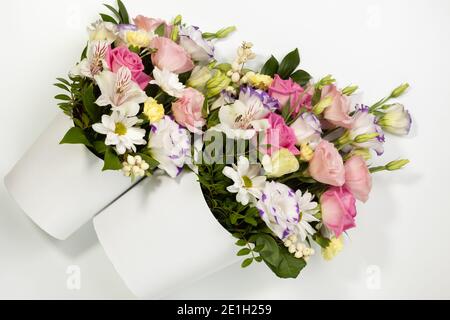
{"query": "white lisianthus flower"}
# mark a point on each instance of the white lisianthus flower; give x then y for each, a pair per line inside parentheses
(364, 123)
(191, 39)
(307, 130)
(168, 82)
(120, 132)
(246, 116)
(119, 91)
(248, 183)
(102, 30)
(395, 120)
(169, 144)
(93, 64)
(287, 213)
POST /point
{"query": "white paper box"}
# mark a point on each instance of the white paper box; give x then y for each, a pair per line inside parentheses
(61, 187)
(161, 236)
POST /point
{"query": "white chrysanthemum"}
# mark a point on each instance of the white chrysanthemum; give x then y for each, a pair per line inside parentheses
(169, 144)
(248, 183)
(168, 82)
(120, 132)
(119, 91)
(287, 213)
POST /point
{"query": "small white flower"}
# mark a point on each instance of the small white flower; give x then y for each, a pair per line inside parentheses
(120, 132)
(246, 116)
(169, 144)
(102, 30)
(396, 120)
(307, 130)
(93, 64)
(135, 167)
(168, 82)
(248, 183)
(191, 39)
(119, 91)
(365, 123)
(308, 209)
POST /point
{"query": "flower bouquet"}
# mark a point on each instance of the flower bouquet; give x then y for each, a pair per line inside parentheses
(269, 157)
(286, 158)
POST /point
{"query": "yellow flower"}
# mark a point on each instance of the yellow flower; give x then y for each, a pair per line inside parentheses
(281, 163)
(306, 153)
(260, 81)
(334, 248)
(139, 39)
(153, 110)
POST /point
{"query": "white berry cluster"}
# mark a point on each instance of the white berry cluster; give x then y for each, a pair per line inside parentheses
(135, 166)
(299, 250)
(244, 54)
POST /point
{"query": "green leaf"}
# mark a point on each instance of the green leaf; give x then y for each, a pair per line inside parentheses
(160, 30)
(247, 262)
(100, 146)
(235, 217)
(63, 97)
(89, 104)
(61, 86)
(76, 135)
(108, 18)
(289, 64)
(244, 252)
(251, 220)
(270, 68)
(113, 10)
(63, 81)
(224, 67)
(301, 77)
(288, 266)
(270, 250)
(112, 161)
(259, 259)
(321, 241)
(241, 243)
(123, 12)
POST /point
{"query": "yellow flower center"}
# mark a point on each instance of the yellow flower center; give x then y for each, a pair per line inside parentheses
(121, 129)
(247, 182)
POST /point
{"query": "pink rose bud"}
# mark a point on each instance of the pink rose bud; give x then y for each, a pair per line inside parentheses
(280, 136)
(327, 165)
(338, 113)
(338, 210)
(170, 56)
(287, 91)
(358, 178)
(188, 110)
(123, 57)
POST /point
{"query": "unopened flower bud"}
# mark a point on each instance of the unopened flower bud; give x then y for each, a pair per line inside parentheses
(399, 90)
(396, 165)
(306, 152)
(362, 138)
(348, 91)
(322, 105)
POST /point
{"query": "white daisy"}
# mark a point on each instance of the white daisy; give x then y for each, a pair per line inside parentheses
(248, 184)
(120, 132)
(308, 209)
(119, 91)
(168, 82)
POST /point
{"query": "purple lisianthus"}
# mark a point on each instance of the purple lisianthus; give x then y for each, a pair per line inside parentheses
(191, 39)
(248, 95)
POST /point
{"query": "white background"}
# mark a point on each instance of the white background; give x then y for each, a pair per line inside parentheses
(400, 248)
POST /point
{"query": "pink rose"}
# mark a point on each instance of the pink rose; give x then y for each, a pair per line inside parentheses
(188, 110)
(123, 57)
(327, 165)
(280, 136)
(170, 56)
(287, 91)
(338, 210)
(338, 113)
(151, 24)
(358, 178)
